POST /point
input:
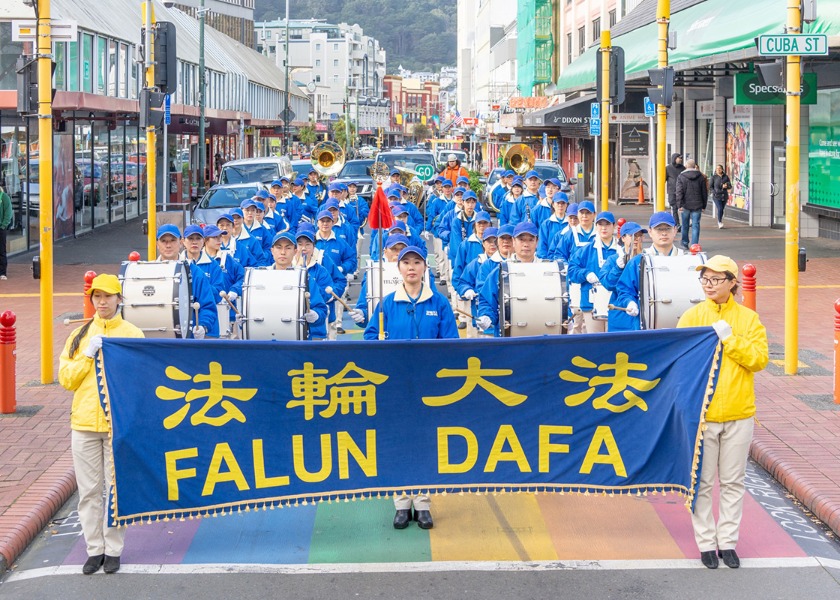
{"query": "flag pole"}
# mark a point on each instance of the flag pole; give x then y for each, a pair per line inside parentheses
(381, 314)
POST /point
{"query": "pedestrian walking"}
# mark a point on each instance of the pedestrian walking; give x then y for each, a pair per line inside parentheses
(6, 218)
(720, 192)
(672, 171)
(692, 197)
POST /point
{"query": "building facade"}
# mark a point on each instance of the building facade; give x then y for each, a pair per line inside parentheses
(411, 102)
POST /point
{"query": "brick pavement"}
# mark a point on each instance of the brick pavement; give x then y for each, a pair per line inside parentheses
(798, 441)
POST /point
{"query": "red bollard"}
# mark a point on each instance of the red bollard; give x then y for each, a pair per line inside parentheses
(837, 351)
(620, 223)
(748, 285)
(134, 256)
(696, 249)
(87, 304)
(7, 362)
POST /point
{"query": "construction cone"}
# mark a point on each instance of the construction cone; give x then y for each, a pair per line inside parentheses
(641, 191)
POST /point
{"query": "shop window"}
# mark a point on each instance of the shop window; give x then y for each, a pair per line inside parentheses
(113, 61)
(125, 70)
(101, 66)
(73, 66)
(59, 79)
(86, 63)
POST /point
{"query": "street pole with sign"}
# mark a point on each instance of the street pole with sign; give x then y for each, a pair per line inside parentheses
(167, 119)
(151, 138)
(663, 18)
(202, 100)
(606, 48)
(286, 108)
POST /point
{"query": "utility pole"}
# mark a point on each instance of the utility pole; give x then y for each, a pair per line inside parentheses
(663, 19)
(202, 100)
(286, 89)
(606, 50)
(151, 138)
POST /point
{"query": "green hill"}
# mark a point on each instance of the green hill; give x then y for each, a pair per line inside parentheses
(419, 35)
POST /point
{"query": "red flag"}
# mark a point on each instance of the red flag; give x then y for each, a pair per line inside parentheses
(380, 216)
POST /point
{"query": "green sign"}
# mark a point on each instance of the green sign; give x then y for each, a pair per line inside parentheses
(789, 44)
(824, 150)
(424, 172)
(748, 90)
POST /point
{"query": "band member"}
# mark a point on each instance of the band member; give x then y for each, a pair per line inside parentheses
(238, 253)
(232, 272)
(587, 262)
(248, 244)
(525, 204)
(287, 205)
(468, 281)
(730, 417)
(545, 207)
(341, 227)
(565, 245)
(401, 218)
(501, 190)
(415, 219)
(390, 252)
(337, 249)
(195, 254)
(315, 192)
(254, 229)
(554, 224)
(506, 209)
(283, 250)
(629, 246)
(303, 202)
(460, 227)
(471, 248)
(337, 282)
(169, 248)
(434, 214)
(395, 177)
(504, 250)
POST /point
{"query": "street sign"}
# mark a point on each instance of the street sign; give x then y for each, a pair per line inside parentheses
(650, 107)
(797, 45)
(60, 31)
(167, 109)
(595, 110)
(594, 127)
(288, 115)
(424, 172)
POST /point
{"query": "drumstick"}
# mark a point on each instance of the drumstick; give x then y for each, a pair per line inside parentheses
(196, 306)
(224, 295)
(466, 314)
(614, 307)
(69, 321)
(343, 303)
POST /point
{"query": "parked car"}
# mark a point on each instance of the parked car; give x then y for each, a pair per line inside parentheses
(358, 171)
(443, 153)
(301, 168)
(221, 198)
(253, 170)
(368, 151)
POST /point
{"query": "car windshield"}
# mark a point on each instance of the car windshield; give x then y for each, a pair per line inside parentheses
(264, 172)
(356, 169)
(494, 176)
(549, 171)
(227, 197)
(444, 154)
(409, 161)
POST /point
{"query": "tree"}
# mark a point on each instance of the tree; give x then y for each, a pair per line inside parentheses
(339, 133)
(421, 132)
(307, 134)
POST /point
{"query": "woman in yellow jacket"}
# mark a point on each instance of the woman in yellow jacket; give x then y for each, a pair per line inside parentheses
(729, 418)
(90, 442)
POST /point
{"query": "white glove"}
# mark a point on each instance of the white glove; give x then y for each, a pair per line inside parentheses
(469, 295)
(592, 278)
(632, 309)
(198, 332)
(329, 291)
(341, 269)
(722, 329)
(94, 345)
(310, 317)
(622, 257)
(232, 296)
(484, 323)
(358, 316)
(351, 277)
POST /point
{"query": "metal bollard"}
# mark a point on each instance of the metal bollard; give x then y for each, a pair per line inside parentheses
(7, 362)
(695, 249)
(802, 259)
(87, 303)
(748, 285)
(837, 351)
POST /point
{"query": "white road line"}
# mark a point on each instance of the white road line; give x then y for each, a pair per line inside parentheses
(431, 567)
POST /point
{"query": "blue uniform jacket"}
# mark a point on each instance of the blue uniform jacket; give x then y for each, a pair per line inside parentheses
(291, 210)
(542, 210)
(460, 228)
(415, 219)
(522, 208)
(549, 228)
(233, 272)
(202, 292)
(506, 207)
(467, 252)
(570, 241)
(214, 273)
(585, 261)
(337, 249)
(249, 250)
(427, 317)
(434, 211)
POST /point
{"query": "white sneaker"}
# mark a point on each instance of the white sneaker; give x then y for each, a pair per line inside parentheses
(720, 225)
(3, 278)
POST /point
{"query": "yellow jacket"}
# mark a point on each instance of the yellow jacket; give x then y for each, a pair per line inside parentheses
(78, 375)
(745, 352)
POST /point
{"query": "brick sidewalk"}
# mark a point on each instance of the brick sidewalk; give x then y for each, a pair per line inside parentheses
(798, 441)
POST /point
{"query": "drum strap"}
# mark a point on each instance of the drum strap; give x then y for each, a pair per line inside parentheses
(579, 234)
(599, 248)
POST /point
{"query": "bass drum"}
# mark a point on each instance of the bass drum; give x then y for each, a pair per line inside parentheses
(668, 286)
(156, 297)
(533, 299)
(391, 279)
(273, 304)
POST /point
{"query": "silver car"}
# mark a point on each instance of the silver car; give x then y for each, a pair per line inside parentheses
(220, 199)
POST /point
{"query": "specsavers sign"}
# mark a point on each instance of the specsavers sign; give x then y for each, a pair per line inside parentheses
(749, 90)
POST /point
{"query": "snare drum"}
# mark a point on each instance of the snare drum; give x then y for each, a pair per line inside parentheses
(600, 297)
(273, 304)
(668, 286)
(391, 279)
(533, 299)
(156, 297)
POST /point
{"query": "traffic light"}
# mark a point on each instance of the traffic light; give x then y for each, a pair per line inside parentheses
(771, 74)
(616, 75)
(663, 80)
(27, 84)
(166, 58)
(151, 109)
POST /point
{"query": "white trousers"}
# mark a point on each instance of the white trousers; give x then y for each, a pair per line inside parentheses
(725, 450)
(94, 467)
(420, 502)
(578, 324)
(591, 324)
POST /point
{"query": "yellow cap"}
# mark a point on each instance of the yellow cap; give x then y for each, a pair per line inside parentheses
(721, 264)
(106, 283)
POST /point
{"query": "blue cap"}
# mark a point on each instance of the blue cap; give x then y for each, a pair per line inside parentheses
(284, 178)
(632, 228)
(663, 216)
(392, 193)
(349, 183)
(170, 229)
(213, 231)
(193, 230)
(299, 181)
(446, 182)
(506, 230)
(560, 197)
(553, 181)
(483, 216)
(518, 182)
(394, 172)
(509, 173)
(312, 170)
(259, 206)
(412, 250)
(463, 179)
(342, 186)
(305, 232)
(398, 225)
(525, 227)
(398, 209)
(441, 179)
(307, 226)
(237, 212)
(586, 205)
(263, 194)
(573, 208)
(276, 182)
(286, 235)
(247, 203)
(331, 203)
(226, 217)
(532, 173)
(459, 190)
(470, 195)
(401, 187)
(605, 216)
(490, 232)
(334, 187)
(396, 238)
(324, 214)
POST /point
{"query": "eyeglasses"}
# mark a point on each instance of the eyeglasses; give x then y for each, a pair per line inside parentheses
(663, 229)
(713, 281)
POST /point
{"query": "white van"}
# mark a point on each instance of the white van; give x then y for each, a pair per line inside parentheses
(253, 170)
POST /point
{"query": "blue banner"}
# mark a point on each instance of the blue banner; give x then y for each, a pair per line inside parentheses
(200, 427)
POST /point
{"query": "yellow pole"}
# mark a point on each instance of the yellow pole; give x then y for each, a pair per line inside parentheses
(663, 18)
(45, 175)
(606, 49)
(151, 167)
(794, 25)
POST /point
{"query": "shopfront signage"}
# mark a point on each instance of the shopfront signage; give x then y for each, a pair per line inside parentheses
(749, 90)
(594, 127)
(628, 118)
(797, 45)
(60, 31)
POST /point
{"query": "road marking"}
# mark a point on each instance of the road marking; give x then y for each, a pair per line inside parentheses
(801, 287)
(37, 295)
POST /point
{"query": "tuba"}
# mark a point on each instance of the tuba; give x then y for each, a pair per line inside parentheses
(408, 178)
(519, 158)
(327, 158)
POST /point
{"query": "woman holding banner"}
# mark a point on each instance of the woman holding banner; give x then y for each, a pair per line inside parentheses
(90, 443)
(730, 414)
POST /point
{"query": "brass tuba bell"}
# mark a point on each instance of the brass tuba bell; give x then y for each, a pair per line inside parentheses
(327, 158)
(519, 158)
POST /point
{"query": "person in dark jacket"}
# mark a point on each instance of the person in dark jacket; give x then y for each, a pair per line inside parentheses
(692, 197)
(720, 192)
(673, 171)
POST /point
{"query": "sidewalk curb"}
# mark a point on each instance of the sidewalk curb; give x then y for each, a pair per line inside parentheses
(38, 504)
(775, 457)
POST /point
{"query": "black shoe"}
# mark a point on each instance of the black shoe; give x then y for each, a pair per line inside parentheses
(462, 325)
(424, 519)
(112, 564)
(730, 558)
(92, 564)
(710, 559)
(402, 518)
(339, 330)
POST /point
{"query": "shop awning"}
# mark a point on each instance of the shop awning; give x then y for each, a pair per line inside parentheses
(707, 33)
(574, 113)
